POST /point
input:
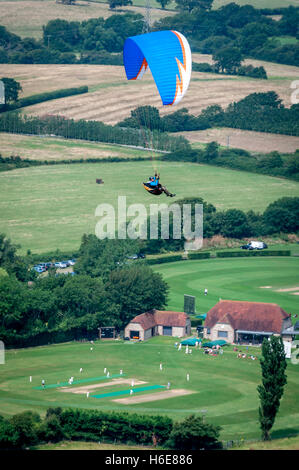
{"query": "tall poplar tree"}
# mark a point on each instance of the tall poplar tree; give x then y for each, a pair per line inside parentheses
(273, 364)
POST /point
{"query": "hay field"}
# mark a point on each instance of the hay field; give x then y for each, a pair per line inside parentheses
(274, 71)
(111, 97)
(248, 140)
(55, 148)
(26, 17)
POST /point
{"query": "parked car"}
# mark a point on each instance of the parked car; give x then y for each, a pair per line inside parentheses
(43, 265)
(133, 257)
(247, 247)
(39, 269)
(258, 245)
(60, 264)
(71, 262)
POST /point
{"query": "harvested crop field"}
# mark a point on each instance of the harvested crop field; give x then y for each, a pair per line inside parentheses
(248, 140)
(153, 396)
(273, 70)
(111, 97)
(26, 18)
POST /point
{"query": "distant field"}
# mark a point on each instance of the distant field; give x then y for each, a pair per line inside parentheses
(53, 148)
(26, 17)
(111, 97)
(258, 3)
(274, 71)
(254, 280)
(45, 208)
(248, 140)
(223, 386)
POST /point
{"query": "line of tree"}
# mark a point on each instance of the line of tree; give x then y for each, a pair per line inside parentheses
(271, 164)
(29, 429)
(224, 66)
(261, 112)
(281, 216)
(233, 26)
(93, 41)
(96, 131)
(100, 41)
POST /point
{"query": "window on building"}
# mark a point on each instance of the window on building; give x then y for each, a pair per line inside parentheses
(134, 334)
(222, 334)
(208, 331)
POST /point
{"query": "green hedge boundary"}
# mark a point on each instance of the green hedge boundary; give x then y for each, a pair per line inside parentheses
(248, 254)
(219, 254)
(164, 259)
(41, 97)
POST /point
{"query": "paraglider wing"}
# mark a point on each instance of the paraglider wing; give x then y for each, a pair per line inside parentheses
(167, 54)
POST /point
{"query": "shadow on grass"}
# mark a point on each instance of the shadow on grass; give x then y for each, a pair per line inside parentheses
(281, 433)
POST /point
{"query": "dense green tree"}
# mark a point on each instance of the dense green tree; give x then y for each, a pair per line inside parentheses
(119, 3)
(12, 89)
(81, 295)
(273, 365)
(283, 215)
(228, 59)
(136, 289)
(26, 427)
(164, 3)
(7, 251)
(8, 434)
(61, 34)
(270, 161)
(13, 302)
(235, 224)
(194, 434)
(211, 151)
(191, 5)
(99, 257)
(292, 164)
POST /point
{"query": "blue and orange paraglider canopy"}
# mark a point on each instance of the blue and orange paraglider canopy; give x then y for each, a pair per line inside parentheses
(168, 56)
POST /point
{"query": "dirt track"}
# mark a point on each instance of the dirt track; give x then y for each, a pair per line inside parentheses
(153, 396)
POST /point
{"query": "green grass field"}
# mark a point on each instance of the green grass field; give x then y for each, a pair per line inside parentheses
(45, 208)
(232, 279)
(224, 386)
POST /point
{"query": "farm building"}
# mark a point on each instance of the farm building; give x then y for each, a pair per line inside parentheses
(246, 322)
(158, 322)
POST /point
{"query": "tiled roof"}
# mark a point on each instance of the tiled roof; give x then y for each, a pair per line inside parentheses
(250, 316)
(160, 317)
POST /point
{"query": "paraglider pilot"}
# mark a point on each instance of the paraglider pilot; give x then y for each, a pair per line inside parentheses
(154, 186)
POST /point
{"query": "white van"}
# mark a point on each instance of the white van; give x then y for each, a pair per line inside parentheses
(258, 245)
